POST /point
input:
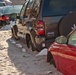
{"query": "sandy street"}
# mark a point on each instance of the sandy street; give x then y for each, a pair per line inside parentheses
(14, 61)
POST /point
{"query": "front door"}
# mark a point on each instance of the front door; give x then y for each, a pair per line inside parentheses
(67, 56)
(25, 17)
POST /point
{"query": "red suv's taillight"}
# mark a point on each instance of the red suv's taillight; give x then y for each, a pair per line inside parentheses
(40, 27)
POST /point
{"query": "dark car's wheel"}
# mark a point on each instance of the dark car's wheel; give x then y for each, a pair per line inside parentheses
(14, 31)
(67, 24)
(7, 22)
(1, 23)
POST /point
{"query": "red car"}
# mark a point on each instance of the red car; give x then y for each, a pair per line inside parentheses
(63, 53)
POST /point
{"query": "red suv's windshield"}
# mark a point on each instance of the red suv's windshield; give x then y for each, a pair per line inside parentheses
(58, 7)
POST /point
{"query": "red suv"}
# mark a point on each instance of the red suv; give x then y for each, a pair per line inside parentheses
(43, 20)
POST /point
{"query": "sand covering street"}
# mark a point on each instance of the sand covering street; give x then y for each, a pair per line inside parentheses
(17, 59)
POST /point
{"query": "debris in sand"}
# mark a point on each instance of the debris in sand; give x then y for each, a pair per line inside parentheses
(19, 45)
(46, 73)
(49, 72)
(13, 42)
(43, 52)
(23, 50)
(26, 55)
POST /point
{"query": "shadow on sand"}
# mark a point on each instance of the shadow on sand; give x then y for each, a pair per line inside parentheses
(17, 58)
(27, 63)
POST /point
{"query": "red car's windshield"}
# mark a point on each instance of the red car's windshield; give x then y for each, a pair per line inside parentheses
(72, 39)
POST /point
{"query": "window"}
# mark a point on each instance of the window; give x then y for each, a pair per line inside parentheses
(33, 8)
(72, 39)
(37, 6)
(2, 0)
(23, 9)
(1, 4)
(58, 7)
(29, 8)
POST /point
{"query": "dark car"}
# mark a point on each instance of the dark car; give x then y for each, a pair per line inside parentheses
(4, 19)
(6, 2)
(7, 10)
(6, 13)
(2, 4)
(43, 20)
(62, 53)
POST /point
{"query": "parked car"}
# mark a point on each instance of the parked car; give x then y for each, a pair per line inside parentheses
(4, 19)
(2, 4)
(63, 51)
(9, 10)
(44, 20)
(6, 2)
(6, 13)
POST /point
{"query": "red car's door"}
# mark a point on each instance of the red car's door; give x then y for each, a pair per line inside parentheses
(67, 59)
(67, 56)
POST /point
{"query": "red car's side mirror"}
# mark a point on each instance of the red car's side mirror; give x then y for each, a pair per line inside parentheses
(61, 40)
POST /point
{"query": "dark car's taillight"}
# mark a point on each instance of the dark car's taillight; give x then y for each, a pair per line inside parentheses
(40, 27)
(10, 3)
(4, 17)
(4, 3)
